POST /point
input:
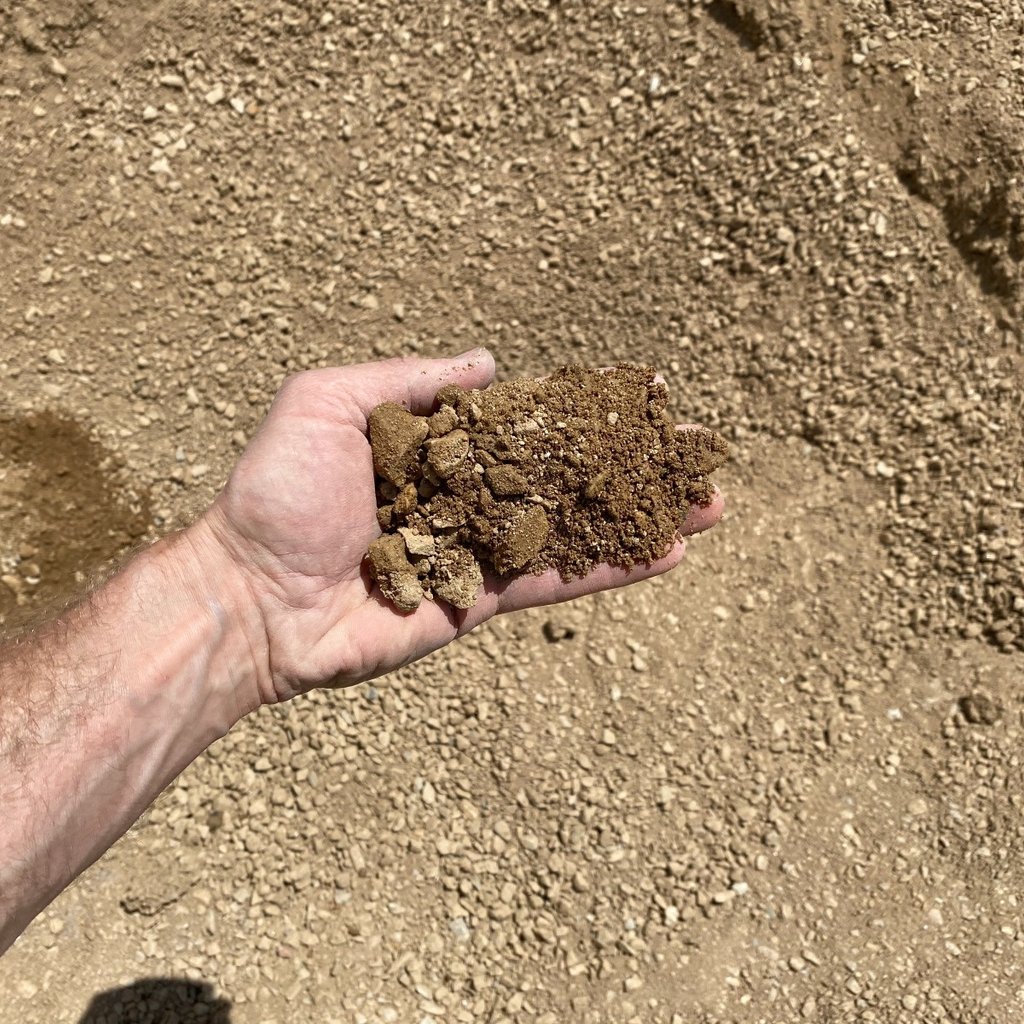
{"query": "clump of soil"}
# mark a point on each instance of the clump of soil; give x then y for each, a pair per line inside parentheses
(582, 468)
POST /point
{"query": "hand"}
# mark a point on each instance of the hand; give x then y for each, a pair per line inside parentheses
(298, 514)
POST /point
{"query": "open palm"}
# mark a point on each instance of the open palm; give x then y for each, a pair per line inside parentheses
(299, 512)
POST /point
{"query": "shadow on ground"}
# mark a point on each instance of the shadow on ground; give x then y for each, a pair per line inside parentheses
(159, 1001)
(66, 509)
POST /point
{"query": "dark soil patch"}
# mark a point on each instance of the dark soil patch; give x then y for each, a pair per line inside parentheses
(63, 512)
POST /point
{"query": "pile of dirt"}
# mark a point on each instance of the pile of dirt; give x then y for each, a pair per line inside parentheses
(578, 469)
(725, 796)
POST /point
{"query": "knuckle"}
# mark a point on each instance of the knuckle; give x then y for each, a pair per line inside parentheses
(297, 385)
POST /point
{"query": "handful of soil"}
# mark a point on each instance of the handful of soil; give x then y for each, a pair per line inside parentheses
(582, 468)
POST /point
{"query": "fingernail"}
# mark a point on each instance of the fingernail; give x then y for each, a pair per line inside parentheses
(473, 353)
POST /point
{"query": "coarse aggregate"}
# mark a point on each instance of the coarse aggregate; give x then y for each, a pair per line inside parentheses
(782, 783)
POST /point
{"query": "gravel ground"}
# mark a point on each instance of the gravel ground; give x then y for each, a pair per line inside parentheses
(782, 784)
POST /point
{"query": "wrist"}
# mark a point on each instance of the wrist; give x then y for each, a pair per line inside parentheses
(219, 588)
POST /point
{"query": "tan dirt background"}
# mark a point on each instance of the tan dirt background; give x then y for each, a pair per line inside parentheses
(784, 783)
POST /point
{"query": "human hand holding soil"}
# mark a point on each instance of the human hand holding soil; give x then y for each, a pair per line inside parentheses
(264, 596)
(300, 511)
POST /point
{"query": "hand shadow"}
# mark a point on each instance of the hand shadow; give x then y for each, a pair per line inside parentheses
(159, 1001)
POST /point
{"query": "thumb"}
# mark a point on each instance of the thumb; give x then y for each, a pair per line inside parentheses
(413, 382)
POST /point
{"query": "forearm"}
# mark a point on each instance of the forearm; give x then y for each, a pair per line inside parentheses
(102, 708)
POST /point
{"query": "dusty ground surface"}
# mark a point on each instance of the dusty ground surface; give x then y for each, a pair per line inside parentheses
(784, 783)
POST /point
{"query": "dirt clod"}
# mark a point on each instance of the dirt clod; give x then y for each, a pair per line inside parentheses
(445, 420)
(980, 709)
(395, 435)
(517, 544)
(446, 454)
(506, 481)
(581, 468)
(417, 543)
(394, 573)
(457, 577)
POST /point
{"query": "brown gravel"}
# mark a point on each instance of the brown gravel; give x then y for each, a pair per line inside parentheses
(780, 784)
